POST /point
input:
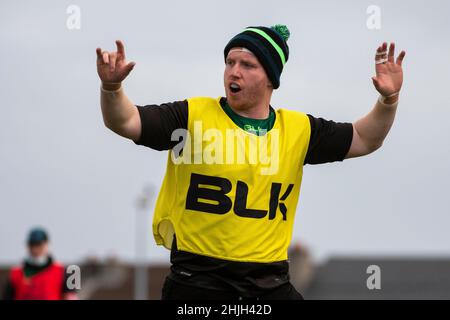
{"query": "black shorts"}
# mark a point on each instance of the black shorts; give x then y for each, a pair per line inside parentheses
(173, 290)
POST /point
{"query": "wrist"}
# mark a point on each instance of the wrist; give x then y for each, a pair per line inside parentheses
(111, 86)
(390, 99)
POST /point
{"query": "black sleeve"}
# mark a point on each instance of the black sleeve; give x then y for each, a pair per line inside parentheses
(158, 123)
(8, 292)
(330, 141)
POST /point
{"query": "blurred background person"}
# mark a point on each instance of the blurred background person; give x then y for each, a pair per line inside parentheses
(39, 277)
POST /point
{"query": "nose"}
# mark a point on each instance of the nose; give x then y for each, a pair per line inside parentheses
(235, 71)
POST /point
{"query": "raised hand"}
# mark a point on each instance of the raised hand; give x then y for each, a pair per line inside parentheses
(389, 74)
(112, 67)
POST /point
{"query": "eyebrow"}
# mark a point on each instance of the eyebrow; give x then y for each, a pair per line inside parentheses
(243, 60)
(248, 61)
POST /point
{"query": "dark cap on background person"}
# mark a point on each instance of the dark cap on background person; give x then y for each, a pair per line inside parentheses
(268, 45)
(37, 236)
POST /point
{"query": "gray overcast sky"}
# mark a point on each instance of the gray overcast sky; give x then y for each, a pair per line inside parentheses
(61, 168)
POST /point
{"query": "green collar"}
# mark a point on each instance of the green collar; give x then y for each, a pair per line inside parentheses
(256, 126)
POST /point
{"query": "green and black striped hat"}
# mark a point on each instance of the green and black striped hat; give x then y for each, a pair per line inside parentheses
(268, 45)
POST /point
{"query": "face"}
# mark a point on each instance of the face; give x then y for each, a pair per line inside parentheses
(244, 72)
(38, 250)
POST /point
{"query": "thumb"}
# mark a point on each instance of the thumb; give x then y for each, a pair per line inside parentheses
(129, 67)
(375, 82)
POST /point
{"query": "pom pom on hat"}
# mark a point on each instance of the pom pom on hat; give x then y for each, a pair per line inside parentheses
(282, 30)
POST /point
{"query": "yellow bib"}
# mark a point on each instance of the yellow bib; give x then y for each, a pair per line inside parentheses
(231, 194)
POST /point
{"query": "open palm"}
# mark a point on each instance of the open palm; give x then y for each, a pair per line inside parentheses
(389, 73)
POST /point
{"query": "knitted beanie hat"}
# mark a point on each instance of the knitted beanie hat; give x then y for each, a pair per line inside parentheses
(268, 45)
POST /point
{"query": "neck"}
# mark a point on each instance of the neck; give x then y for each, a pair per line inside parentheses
(257, 111)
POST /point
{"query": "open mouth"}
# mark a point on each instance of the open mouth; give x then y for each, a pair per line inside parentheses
(234, 87)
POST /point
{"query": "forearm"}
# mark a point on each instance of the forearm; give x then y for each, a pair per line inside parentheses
(117, 109)
(374, 127)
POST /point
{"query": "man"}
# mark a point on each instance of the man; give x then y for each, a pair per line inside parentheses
(228, 223)
(40, 277)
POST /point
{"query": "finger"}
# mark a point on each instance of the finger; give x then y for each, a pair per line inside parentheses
(400, 58)
(381, 55)
(380, 49)
(99, 53)
(391, 52)
(112, 61)
(99, 56)
(105, 56)
(120, 48)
